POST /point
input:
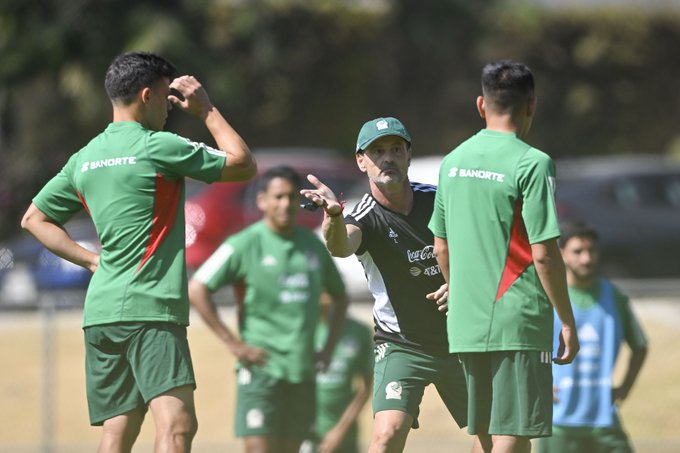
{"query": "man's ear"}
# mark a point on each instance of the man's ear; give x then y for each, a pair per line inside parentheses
(145, 94)
(481, 106)
(360, 161)
(260, 201)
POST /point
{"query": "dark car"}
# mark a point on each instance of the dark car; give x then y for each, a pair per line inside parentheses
(28, 269)
(634, 202)
(216, 211)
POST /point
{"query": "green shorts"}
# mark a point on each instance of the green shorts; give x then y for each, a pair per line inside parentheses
(582, 440)
(401, 375)
(510, 392)
(272, 407)
(128, 364)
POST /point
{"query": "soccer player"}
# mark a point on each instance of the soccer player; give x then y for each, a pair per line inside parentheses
(496, 230)
(284, 269)
(585, 415)
(130, 180)
(343, 389)
(387, 230)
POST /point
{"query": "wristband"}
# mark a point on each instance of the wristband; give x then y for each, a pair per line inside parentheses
(339, 213)
(342, 208)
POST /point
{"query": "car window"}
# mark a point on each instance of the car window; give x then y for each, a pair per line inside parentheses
(648, 190)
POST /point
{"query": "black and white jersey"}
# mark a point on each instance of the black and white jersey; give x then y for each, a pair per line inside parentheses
(397, 254)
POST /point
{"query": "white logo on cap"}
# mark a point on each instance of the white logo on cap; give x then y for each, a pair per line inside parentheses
(382, 124)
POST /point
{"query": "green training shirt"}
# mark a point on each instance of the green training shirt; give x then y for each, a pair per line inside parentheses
(352, 357)
(283, 278)
(495, 198)
(131, 182)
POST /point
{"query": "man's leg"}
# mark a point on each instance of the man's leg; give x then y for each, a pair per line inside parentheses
(120, 432)
(175, 417)
(485, 443)
(400, 376)
(482, 444)
(267, 444)
(258, 444)
(390, 430)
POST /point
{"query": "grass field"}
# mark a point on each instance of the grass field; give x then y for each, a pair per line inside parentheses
(34, 384)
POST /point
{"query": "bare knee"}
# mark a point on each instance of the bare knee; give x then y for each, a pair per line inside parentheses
(119, 433)
(180, 425)
(390, 430)
(175, 417)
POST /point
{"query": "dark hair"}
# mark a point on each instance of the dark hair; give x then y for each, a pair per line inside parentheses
(280, 171)
(133, 71)
(506, 85)
(576, 229)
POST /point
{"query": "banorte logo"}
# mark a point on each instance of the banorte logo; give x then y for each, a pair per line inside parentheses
(425, 253)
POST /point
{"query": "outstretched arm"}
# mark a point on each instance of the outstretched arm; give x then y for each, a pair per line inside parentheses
(201, 300)
(550, 269)
(341, 239)
(240, 164)
(53, 236)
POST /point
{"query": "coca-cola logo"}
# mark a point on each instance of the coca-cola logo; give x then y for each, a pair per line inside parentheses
(426, 253)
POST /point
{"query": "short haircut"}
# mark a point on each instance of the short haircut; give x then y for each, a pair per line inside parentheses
(507, 85)
(133, 71)
(577, 230)
(280, 171)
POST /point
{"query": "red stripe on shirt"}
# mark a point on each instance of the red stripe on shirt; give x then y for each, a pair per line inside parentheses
(164, 214)
(519, 253)
(82, 200)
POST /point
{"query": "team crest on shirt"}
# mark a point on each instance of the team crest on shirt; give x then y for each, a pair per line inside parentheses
(269, 260)
(393, 235)
(349, 346)
(254, 418)
(393, 391)
(312, 261)
(244, 376)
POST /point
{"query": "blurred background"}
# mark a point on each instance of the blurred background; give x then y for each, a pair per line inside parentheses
(298, 78)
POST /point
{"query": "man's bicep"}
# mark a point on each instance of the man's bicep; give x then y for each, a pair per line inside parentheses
(354, 237)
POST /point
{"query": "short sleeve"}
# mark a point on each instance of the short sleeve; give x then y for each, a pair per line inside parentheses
(437, 222)
(176, 156)
(632, 330)
(222, 268)
(58, 199)
(536, 180)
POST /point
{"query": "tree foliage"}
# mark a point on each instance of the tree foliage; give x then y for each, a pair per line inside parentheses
(291, 73)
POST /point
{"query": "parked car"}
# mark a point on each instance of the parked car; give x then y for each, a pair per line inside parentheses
(28, 269)
(634, 202)
(216, 211)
